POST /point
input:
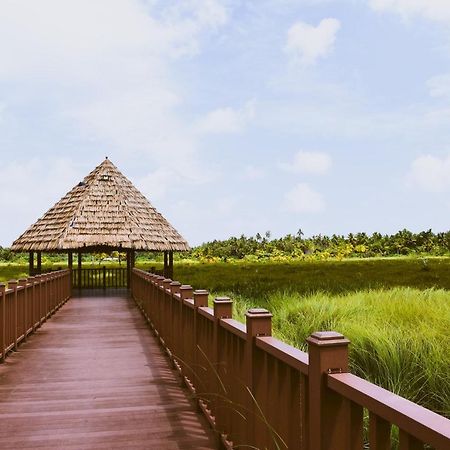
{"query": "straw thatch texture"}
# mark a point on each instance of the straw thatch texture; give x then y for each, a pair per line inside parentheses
(104, 210)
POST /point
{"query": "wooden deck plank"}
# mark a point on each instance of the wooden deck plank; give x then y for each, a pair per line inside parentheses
(94, 377)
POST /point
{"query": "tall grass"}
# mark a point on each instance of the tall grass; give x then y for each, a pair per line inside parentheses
(399, 337)
(396, 312)
(256, 280)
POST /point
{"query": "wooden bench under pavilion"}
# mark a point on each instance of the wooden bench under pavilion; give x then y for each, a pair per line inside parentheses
(102, 213)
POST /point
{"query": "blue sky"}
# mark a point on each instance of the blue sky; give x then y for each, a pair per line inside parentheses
(231, 116)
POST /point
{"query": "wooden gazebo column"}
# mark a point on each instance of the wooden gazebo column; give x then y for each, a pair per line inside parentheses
(31, 263)
(79, 271)
(131, 259)
(70, 266)
(168, 264)
(39, 262)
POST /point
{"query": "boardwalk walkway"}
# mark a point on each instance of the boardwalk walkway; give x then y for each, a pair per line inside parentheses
(93, 377)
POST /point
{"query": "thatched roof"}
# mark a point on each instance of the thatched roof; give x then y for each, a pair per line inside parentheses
(104, 210)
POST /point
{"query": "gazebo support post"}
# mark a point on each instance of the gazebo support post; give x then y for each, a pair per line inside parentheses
(128, 269)
(31, 263)
(79, 271)
(166, 264)
(131, 258)
(39, 262)
(170, 265)
(70, 266)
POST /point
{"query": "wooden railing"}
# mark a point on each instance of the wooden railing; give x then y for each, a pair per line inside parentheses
(102, 277)
(27, 303)
(259, 392)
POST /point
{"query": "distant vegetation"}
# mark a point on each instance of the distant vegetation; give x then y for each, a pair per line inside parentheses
(389, 294)
(296, 246)
(263, 247)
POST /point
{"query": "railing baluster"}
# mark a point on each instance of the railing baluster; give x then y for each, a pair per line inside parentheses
(355, 428)
(24, 306)
(297, 401)
(2, 322)
(408, 442)
(379, 433)
(12, 284)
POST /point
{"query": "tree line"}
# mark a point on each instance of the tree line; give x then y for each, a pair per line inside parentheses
(291, 246)
(363, 245)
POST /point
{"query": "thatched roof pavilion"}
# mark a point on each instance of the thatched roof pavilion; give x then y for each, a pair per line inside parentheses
(103, 212)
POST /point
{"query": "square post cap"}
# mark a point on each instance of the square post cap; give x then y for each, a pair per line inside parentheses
(186, 291)
(201, 297)
(175, 287)
(259, 322)
(327, 339)
(223, 308)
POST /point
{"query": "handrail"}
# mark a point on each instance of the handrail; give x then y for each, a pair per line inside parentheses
(260, 392)
(27, 303)
(412, 418)
(290, 355)
(99, 277)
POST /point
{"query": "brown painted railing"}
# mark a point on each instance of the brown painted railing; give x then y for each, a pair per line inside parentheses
(103, 277)
(27, 303)
(259, 392)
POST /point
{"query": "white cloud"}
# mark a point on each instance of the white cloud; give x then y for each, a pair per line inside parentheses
(316, 163)
(2, 111)
(253, 173)
(303, 199)
(430, 173)
(226, 120)
(104, 72)
(225, 206)
(29, 188)
(106, 66)
(81, 38)
(205, 13)
(437, 10)
(307, 43)
(439, 85)
(155, 185)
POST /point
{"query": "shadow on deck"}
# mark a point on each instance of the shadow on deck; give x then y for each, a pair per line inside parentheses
(94, 377)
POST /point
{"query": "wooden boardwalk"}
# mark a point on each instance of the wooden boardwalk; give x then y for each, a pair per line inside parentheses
(94, 377)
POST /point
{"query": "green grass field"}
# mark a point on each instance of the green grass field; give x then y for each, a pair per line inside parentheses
(396, 312)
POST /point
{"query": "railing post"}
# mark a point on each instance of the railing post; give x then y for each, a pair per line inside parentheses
(158, 303)
(23, 283)
(104, 277)
(44, 296)
(223, 309)
(2, 322)
(38, 279)
(200, 299)
(186, 292)
(328, 413)
(12, 284)
(259, 323)
(174, 290)
(32, 280)
(165, 325)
